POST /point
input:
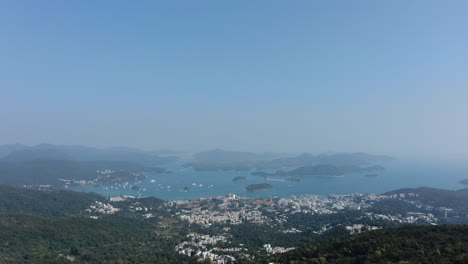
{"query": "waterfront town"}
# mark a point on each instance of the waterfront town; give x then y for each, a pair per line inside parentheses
(211, 220)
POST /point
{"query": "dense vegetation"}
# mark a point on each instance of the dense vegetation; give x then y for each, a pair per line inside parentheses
(49, 226)
(37, 239)
(424, 244)
(46, 164)
(45, 203)
(49, 172)
(54, 227)
(456, 200)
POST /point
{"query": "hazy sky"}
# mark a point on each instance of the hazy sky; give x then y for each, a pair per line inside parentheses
(378, 76)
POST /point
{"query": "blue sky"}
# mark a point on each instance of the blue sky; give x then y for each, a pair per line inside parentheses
(377, 76)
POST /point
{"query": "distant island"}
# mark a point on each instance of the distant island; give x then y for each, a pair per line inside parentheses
(323, 170)
(293, 179)
(239, 178)
(202, 166)
(220, 160)
(258, 187)
(464, 182)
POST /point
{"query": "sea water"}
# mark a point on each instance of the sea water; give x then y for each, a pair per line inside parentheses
(186, 183)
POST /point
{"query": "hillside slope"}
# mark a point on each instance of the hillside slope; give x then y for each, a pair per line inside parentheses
(422, 244)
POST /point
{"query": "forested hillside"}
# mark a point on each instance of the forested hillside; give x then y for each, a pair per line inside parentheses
(54, 227)
(423, 244)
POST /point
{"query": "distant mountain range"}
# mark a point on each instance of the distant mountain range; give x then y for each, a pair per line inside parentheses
(229, 160)
(47, 164)
(50, 172)
(339, 159)
(223, 156)
(19, 152)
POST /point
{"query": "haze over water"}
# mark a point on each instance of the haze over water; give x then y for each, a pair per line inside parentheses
(387, 77)
(306, 76)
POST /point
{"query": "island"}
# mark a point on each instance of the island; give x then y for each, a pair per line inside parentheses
(220, 160)
(464, 182)
(262, 173)
(321, 170)
(239, 178)
(258, 187)
(293, 179)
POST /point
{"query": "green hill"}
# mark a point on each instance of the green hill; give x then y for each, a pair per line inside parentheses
(37, 239)
(45, 203)
(53, 227)
(423, 244)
